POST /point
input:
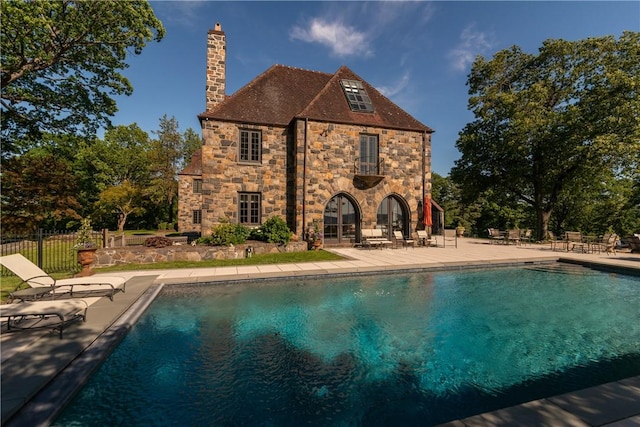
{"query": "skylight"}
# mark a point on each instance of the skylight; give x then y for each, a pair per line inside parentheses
(357, 96)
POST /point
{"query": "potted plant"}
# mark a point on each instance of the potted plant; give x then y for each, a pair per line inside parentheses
(85, 247)
(460, 229)
(314, 236)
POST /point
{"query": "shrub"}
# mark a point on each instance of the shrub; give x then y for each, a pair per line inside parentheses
(157, 242)
(225, 234)
(275, 230)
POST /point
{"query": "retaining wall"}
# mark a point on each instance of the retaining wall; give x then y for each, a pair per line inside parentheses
(143, 255)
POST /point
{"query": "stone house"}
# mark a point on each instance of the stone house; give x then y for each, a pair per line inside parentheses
(308, 146)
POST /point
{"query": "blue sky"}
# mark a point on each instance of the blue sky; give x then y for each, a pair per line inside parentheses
(418, 54)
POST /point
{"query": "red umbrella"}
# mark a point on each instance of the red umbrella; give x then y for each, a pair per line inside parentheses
(428, 221)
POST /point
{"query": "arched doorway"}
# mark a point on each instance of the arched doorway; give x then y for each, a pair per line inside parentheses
(341, 220)
(393, 215)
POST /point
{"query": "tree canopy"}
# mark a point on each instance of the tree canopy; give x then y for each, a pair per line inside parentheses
(554, 124)
(61, 63)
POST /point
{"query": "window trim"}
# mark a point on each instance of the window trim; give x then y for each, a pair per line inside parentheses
(196, 216)
(357, 96)
(197, 186)
(369, 168)
(253, 212)
(247, 157)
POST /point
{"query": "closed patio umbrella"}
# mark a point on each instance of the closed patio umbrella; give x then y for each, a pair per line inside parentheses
(428, 220)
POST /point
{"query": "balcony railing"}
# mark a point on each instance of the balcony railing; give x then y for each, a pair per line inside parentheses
(367, 174)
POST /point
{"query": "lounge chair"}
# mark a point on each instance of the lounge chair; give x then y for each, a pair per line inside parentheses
(400, 238)
(42, 285)
(607, 243)
(39, 314)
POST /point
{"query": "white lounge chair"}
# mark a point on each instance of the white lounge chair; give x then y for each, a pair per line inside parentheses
(42, 285)
(43, 314)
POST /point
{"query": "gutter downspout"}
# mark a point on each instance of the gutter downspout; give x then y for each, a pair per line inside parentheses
(304, 179)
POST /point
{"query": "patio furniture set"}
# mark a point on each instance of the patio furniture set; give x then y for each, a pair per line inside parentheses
(575, 241)
(513, 236)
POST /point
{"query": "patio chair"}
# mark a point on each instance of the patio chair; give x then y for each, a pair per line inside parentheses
(574, 240)
(526, 236)
(495, 235)
(43, 314)
(634, 243)
(513, 236)
(451, 236)
(399, 237)
(42, 285)
(607, 243)
(551, 237)
(425, 240)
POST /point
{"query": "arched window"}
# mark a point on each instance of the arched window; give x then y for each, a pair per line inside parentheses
(393, 215)
(341, 220)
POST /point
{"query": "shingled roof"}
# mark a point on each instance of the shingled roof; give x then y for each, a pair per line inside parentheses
(283, 93)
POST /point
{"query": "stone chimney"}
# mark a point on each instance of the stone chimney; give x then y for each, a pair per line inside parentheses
(216, 66)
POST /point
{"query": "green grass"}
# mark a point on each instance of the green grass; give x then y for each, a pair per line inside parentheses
(276, 258)
(10, 283)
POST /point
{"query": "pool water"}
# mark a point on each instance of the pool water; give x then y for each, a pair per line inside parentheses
(403, 349)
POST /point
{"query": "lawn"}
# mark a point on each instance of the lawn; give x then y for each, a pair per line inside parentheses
(10, 283)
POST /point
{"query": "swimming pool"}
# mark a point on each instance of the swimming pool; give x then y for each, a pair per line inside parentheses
(420, 348)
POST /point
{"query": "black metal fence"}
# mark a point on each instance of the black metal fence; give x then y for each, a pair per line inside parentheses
(53, 251)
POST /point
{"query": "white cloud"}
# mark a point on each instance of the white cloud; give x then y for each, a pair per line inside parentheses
(391, 90)
(341, 39)
(472, 43)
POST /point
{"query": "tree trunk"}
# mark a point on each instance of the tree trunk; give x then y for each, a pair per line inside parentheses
(122, 220)
(543, 223)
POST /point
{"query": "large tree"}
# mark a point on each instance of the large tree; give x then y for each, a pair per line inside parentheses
(61, 63)
(169, 154)
(546, 124)
(38, 189)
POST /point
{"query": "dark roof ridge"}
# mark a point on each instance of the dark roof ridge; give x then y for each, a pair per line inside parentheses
(300, 69)
(321, 92)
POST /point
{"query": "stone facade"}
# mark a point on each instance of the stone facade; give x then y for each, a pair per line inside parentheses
(308, 168)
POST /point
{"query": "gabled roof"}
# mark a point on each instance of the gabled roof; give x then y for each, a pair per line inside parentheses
(283, 93)
(195, 164)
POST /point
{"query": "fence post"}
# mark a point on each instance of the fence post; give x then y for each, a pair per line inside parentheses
(105, 236)
(40, 247)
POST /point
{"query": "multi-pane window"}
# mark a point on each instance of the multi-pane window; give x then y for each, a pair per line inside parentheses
(197, 216)
(357, 96)
(250, 146)
(369, 160)
(249, 208)
(197, 186)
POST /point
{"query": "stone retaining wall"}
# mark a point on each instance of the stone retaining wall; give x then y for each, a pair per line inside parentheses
(143, 255)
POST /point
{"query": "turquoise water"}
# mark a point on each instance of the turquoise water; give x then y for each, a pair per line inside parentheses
(404, 349)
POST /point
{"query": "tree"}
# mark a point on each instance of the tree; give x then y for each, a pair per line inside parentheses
(167, 157)
(123, 199)
(37, 189)
(547, 124)
(61, 61)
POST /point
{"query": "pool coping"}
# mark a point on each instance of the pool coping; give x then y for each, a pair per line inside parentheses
(43, 406)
